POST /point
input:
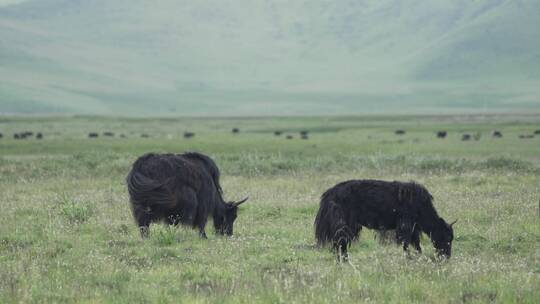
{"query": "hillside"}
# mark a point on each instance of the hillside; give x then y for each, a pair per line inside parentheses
(268, 57)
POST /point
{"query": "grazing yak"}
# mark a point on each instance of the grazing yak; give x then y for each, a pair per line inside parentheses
(441, 134)
(406, 208)
(496, 134)
(235, 130)
(466, 137)
(179, 189)
(93, 135)
(39, 135)
(188, 134)
(278, 133)
(399, 132)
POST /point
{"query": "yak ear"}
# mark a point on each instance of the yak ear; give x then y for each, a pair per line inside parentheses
(452, 224)
(236, 204)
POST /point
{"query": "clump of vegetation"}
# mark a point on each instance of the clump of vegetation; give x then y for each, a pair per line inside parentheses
(75, 211)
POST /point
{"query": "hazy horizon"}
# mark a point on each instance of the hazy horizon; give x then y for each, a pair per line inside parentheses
(245, 58)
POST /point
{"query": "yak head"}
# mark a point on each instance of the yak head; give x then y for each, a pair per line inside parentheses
(442, 237)
(224, 220)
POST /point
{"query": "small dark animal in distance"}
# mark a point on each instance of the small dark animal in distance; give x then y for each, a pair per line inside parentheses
(466, 137)
(123, 136)
(144, 135)
(22, 135)
(441, 134)
(526, 136)
(289, 137)
(304, 133)
(1, 135)
(537, 132)
(179, 189)
(108, 134)
(235, 130)
(399, 132)
(404, 207)
(188, 134)
(39, 135)
(496, 134)
(93, 135)
(278, 133)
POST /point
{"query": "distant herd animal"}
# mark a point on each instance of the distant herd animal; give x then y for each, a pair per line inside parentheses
(25, 135)
(304, 134)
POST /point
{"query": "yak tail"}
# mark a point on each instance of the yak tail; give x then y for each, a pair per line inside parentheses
(331, 226)
(147, 192)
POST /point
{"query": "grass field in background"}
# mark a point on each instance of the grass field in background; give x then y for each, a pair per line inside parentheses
(67, 234)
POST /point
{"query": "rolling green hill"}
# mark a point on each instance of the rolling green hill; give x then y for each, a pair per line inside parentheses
(169, 57)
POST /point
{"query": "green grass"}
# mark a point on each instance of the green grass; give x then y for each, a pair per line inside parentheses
(67, 234)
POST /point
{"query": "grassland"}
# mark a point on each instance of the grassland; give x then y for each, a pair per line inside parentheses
(66, 232)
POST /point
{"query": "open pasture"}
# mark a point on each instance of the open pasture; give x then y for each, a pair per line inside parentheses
(67, 234)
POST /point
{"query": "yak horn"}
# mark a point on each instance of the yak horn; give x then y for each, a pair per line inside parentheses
(240, 202)
(452, 224)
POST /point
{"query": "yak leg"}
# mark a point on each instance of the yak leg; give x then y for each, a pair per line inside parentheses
(201, 225)
(415, 239)
(403, 232)
(356, 232)
(190, 204)
(342, 239)
(143, 221)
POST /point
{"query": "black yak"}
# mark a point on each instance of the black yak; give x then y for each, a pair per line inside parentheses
(235, 130)
(289, 137)
(1, 135)
(278, 133)
(188, 134)
(399, 132)
(144, 135)
(39, 135)
(496, 134)
(537, 132)
(404, 207)
(179, 189)
(108, 134)
(466, 137)
(93, 135)
(441, 134)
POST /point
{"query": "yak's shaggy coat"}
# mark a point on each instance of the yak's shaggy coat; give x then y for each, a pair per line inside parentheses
(404, 207)
(179, 189)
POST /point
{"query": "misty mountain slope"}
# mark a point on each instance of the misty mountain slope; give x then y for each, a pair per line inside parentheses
(267, 57)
